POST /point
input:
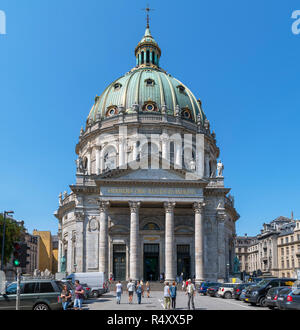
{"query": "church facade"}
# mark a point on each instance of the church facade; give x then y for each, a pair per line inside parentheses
(149, 196)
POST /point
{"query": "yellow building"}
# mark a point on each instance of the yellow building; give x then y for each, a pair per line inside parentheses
(47, 251)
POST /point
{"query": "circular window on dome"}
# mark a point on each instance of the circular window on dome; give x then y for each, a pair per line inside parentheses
(117, 86)
(149, 106)
(186, 113)
(111, 111)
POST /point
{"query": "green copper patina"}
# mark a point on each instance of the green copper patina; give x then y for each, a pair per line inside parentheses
(147, 88)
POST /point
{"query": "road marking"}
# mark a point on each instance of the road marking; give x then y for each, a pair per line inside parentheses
(232, 303)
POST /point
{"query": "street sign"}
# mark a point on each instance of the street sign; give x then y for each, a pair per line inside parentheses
(2, 282)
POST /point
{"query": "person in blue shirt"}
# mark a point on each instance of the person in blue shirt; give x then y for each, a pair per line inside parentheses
(139, 291)
(173, 293)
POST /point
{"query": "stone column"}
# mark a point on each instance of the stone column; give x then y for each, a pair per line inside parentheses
(134, 240)
(165, 150)
(221, 216)
(79, 216)
(199, 241)
(207, 167)
(169, 242)
(103, 245)
(98, 151)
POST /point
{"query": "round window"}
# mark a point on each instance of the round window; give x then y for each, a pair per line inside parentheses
(150, 107)
(186, 114)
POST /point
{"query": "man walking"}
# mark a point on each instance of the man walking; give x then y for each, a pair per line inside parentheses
(139, 291)
(190, 291)
(119, 291)
(130, 289)
(79, 293)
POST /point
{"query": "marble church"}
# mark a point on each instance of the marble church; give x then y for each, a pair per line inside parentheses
(149, 196)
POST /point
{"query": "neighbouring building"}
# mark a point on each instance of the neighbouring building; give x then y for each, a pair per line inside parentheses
(275, 251)
(149, 196)
(47, 251)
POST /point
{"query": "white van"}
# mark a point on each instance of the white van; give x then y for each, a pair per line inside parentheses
(95, 280)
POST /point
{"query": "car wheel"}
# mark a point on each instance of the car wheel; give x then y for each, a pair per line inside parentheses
(95, 294)
(227, 295)
(41, 307)
(262, 302)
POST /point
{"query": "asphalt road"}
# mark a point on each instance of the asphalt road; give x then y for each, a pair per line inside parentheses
(155, 302)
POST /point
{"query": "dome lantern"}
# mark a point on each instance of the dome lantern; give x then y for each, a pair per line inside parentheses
(147, 52)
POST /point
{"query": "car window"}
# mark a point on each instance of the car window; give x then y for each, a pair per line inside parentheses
(286, 282)
(12, 288)
(29, 287)
(46, 287)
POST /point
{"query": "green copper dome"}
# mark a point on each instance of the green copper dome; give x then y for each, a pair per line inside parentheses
(147, 88)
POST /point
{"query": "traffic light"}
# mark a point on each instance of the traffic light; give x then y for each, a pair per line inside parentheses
(16, 254)
(23, 255)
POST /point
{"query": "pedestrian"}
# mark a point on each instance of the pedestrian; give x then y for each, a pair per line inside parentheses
(139, 291)
(119, 291)
(66, 297)
(130, 289)
(173, 294)
(167, 296)
(79, 294)
(183, 286)
(142, 284)
(148, 289)
(190, 291)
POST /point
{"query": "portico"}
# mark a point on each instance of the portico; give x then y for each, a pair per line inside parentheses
(155, 212)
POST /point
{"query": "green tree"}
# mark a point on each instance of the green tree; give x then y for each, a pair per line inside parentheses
(13, 233)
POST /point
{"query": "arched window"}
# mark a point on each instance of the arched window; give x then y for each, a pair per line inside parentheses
(142, 57)
(148, 56)
(151, 226)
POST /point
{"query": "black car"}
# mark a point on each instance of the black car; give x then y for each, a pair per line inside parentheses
(289, 299)
(238, 290)
(213, 290)
(272, 295)
(256, 295)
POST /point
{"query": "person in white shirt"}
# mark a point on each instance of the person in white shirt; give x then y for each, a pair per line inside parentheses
(119, 291)
(130, 289)
(167, 296)
(190, 291)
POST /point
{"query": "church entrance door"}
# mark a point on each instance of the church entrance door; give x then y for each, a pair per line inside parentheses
(183, 261)
(119, 262)
(151, 262)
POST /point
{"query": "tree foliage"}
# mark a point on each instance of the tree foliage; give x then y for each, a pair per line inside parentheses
(13, 233)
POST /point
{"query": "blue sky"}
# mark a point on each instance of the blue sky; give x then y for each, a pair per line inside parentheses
(240, 57)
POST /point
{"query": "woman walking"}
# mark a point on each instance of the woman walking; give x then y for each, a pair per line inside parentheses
(167, 296)
(148, 289)
(66, 297)
(142, 284)
(139, 291)
(173, 293)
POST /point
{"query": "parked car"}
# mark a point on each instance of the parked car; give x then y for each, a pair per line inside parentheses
(237, 290)
(205, 285)
(256, 295)
(243, 292)
(213, 290)
(226, 290)
(272, 296)
(289, 299)
(94, 280)
(35, 294)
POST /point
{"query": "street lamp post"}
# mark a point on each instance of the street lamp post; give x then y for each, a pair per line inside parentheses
(3, 236)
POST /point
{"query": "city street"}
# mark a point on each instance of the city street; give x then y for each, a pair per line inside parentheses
(155, 302)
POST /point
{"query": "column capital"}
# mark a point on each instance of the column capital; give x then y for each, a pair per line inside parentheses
(169, 206)
(134, 206)
(103, 205)
(198, 207)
